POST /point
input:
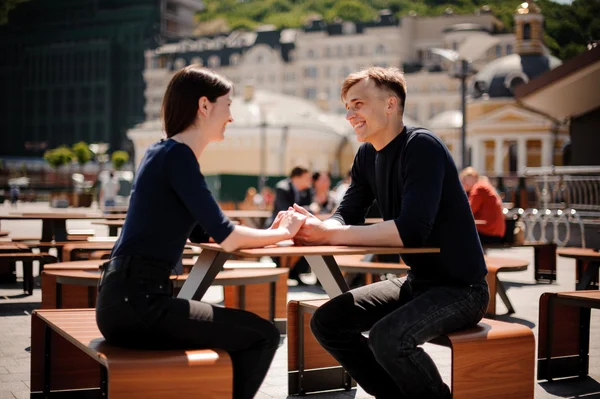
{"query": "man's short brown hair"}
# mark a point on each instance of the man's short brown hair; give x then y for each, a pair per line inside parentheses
(391, 79)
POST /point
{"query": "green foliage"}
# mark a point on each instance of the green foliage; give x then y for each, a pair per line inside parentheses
(568, 27)
(6, 7)
(82, 152)
(350, 10)
(119, 158)
(59, 156)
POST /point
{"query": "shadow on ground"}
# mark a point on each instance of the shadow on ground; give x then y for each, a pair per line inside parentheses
(587, 388)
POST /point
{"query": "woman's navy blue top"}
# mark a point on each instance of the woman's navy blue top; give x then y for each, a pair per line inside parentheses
(170, 202)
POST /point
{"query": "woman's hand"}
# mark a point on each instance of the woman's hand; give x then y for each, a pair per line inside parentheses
(277, 220)
(291, 221)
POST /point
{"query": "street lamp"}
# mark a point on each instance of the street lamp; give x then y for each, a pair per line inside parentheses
(471, 49)
(462, 74)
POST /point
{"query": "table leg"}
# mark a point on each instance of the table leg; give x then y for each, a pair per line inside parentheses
(328, 273)
(206, 268)
(113, 231)
(587, 274)
(59, 228)
(46, 230)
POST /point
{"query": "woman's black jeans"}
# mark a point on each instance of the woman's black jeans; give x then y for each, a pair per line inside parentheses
(136, 309)
(401, 315)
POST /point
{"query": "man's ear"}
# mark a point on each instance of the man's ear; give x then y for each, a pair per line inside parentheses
(392, 102)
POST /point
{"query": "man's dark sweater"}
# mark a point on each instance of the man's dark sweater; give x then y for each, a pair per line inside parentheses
(416, 184)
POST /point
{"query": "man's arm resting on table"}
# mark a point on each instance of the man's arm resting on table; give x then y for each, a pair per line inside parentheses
(384, 234)
(332, 232)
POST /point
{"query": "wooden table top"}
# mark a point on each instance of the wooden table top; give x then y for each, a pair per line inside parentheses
(248, 213)
(61, 215)
(323, 250)
(590, 294)
(579, 253)
(505, 262)
(224, 277)
(118, 223)
(94, 264)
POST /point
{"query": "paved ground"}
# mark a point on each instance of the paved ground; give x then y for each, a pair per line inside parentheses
(15, 309)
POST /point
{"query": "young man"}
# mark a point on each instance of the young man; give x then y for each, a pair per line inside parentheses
(486, 205)
(412, 176)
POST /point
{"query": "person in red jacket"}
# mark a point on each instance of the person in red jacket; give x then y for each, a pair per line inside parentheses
(486, 205)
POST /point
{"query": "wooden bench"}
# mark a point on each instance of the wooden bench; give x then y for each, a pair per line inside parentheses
(544, 260)
(494, 360)
(564, 333)
(69, 354)
(28, 258)
(495, 265)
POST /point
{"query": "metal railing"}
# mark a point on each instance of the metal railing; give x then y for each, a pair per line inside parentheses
(567, 195)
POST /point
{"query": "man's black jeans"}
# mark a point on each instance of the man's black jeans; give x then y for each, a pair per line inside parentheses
(135, 308)
(401, 314)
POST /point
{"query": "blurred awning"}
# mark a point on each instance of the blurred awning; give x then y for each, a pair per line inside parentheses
(567, 91)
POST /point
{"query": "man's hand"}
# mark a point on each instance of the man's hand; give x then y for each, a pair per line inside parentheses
(313, 231)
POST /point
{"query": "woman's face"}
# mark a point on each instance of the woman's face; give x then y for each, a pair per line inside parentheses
(218, 117)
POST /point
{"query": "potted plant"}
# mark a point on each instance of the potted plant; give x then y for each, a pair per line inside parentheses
(83, 196)
(56, 158)
(119, 159)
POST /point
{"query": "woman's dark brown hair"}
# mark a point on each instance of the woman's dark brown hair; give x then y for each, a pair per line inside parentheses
(180, 104)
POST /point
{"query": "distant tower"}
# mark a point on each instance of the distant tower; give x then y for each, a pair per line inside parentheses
(529, 24)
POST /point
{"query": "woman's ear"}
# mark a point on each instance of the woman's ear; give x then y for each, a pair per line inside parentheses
(204, 106)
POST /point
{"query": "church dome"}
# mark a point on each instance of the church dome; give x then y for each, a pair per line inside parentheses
(500, 77)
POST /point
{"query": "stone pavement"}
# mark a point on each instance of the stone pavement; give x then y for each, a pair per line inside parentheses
(15, 310)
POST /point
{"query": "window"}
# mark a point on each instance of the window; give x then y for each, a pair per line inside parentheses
(509, 49)
(348, 28)
(454, 46)
(310, 93)
(234, 59)
(171, 7)
(350, 51)
(527, 31)
(498, 50)
(198, 61)
(310, 53)
(289, 76)
(380, 49)
(310, 72)
(179, 63)
(214, 61)
(327, 52)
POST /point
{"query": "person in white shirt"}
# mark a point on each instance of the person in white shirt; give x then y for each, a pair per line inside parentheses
(109, 191)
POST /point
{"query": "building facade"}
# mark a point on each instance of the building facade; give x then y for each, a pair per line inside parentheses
(72, 70)
(312, 62)
(503, 137)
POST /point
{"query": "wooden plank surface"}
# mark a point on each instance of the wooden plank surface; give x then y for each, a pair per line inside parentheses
(324, 250)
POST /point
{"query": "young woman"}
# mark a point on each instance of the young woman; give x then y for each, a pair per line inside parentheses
(170, 202)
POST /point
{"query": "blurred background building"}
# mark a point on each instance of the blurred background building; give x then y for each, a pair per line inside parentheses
(72, 70)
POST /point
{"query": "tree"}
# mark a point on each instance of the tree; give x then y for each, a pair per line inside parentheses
(5, 8)
(82, 152)
(119, 158)
(59, 156)
(351, 10)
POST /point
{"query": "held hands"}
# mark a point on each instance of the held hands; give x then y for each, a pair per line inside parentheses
(289, 220)
(313, 231)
